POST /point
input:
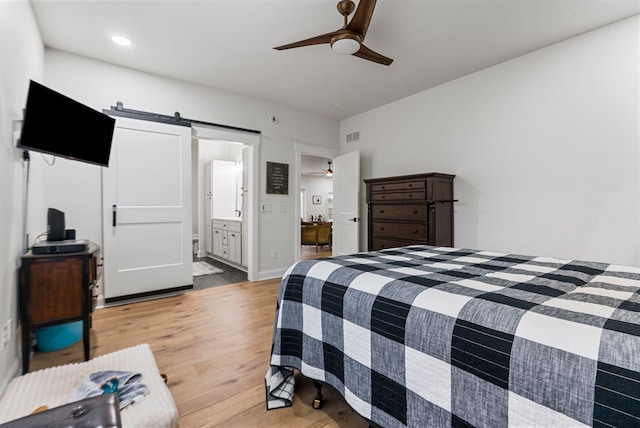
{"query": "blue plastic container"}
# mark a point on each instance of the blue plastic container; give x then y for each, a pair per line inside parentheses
(58, 336)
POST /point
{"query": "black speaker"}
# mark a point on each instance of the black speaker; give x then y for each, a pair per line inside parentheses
(55, 225)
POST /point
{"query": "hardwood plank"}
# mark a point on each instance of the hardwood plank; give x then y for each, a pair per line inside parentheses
(214, 346)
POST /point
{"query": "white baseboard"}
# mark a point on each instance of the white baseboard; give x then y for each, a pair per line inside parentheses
(271, 273)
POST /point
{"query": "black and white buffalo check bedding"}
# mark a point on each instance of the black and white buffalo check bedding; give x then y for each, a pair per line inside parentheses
(436, 337)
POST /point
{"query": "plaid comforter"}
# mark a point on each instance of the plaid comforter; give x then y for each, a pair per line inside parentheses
(436, 337)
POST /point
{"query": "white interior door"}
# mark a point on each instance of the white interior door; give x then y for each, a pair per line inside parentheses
(147, 209)
(346, 198)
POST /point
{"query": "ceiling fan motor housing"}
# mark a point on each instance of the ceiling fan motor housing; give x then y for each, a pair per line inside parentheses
(346, 42)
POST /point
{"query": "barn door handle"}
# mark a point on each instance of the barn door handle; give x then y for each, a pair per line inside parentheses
(114, 209)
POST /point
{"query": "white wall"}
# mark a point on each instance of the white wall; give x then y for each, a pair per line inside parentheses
(22, 58)
(320, 186)
(545, 148)
(75, 188)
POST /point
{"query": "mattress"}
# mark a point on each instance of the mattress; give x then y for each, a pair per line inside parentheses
(52, 387)
(436, 337)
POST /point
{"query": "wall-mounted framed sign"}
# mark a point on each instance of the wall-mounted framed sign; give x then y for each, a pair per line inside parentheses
(277, 178)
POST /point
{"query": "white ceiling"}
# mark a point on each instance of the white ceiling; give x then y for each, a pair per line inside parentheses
(227, 44)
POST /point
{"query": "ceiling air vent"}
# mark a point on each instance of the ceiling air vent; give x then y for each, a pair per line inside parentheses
(353, 136)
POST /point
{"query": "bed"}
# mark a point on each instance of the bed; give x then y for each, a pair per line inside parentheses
(425, 336)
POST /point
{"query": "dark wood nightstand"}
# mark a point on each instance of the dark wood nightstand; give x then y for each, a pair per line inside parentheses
(56, 289)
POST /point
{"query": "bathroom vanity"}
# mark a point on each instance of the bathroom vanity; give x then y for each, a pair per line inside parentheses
(226, 241)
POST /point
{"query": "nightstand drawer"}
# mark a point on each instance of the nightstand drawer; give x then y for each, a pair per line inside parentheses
(400, 230)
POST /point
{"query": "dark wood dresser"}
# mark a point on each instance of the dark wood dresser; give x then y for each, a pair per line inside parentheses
(410, 210)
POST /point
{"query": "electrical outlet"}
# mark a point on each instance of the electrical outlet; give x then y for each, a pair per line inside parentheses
(5, 337)
(274, 254)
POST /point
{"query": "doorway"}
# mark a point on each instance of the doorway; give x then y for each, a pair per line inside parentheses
(316, 206)
(224, 203)
(219, 193)
(315, 199)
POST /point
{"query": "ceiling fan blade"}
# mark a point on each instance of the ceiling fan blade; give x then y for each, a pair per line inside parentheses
(362, 17)
(317, 40)
(366, 53)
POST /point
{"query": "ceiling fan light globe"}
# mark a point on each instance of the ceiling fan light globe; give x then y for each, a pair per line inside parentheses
(345, 46)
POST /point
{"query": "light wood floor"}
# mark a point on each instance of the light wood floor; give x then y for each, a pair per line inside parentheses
(309, 252)
(214, 346)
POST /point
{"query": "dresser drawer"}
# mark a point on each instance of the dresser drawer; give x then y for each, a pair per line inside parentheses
(400, 230)
(384, 243)
(399, 212)
(415, 195)
(399, 186)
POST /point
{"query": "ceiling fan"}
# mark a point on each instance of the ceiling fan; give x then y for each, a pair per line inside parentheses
(326, 172)
(349, 39)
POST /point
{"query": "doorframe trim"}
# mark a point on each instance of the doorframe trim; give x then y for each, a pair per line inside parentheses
(307, 150)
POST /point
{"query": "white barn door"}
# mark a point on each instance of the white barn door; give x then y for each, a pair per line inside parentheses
(147, 210)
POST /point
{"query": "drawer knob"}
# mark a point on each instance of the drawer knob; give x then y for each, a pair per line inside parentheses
(410, 185)
(411, 195)
(415, 211)
(383, 196)
(381, 229)
(415, 230)
(381, 211)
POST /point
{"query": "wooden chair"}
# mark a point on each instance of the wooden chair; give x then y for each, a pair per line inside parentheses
(308, 234)
(318, 234)
(324, 235)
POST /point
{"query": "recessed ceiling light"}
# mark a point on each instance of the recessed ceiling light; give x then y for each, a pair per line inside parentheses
(122, 41)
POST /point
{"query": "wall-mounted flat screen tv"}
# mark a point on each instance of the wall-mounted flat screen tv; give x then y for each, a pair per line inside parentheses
(58, 125)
